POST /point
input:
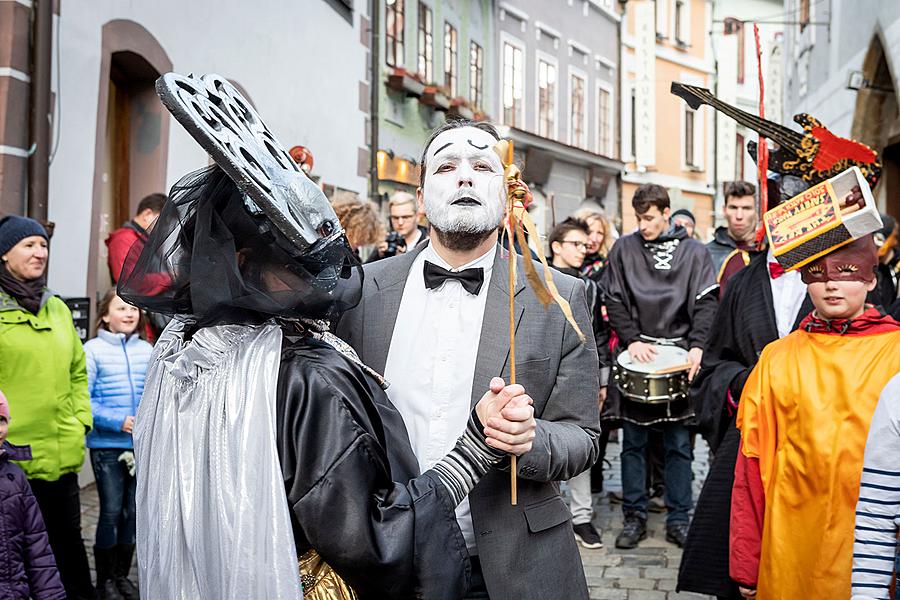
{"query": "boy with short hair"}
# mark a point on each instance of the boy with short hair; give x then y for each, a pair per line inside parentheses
(804, 416)
(29, 567)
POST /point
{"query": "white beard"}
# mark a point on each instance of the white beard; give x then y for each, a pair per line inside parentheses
(450, 218)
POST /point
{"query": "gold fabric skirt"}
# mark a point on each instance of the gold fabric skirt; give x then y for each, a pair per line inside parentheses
(320, 582)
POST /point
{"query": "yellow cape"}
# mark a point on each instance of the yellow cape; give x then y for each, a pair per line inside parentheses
(805, 414)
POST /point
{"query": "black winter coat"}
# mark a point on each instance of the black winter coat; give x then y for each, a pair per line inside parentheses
(353, 483)
(27, 565)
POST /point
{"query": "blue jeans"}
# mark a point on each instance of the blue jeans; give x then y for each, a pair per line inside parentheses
(116, 489)
(677, 445)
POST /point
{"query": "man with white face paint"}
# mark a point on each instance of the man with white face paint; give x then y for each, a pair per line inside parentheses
(435, 322)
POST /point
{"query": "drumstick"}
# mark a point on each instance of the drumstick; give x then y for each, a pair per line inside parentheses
(674, 369)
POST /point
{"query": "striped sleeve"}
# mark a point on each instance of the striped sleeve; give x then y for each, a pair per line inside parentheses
(878, 509)
(467, 463)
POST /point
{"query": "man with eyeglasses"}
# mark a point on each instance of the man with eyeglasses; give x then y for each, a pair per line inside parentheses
(568, 246)
(404, 218)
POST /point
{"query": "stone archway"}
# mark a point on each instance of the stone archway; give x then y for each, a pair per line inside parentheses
(132, 136)
(876, 122)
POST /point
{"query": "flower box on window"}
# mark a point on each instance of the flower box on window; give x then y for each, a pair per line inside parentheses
(400, 80)
(435, 97)
(459, 107)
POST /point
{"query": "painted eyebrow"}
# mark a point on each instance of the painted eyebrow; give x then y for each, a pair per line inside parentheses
(476, 146)
(438, 151)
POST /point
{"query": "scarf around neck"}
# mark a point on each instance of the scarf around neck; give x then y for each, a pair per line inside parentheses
(27, 293)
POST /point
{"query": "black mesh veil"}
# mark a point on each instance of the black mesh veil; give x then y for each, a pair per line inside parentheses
(214, 257)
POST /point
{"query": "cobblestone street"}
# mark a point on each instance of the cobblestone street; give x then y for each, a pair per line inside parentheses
(648, 572)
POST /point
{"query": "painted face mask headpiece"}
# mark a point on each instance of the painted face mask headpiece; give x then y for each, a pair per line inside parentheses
(857, 261)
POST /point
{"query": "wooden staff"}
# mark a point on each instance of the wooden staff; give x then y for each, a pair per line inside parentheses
(511, 224)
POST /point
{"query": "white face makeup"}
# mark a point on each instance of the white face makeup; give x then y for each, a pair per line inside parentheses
(463, 190)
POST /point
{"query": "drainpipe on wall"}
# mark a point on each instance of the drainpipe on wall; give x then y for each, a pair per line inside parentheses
(39, 161)
(375, 81)
(621, 76)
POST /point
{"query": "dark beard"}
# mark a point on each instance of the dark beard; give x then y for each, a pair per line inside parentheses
(461, 241)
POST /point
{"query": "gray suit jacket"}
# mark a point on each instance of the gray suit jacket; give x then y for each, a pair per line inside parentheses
(527, 551)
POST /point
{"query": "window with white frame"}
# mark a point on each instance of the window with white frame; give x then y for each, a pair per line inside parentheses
(689, 137)
(394, 22)
(739, 158)
(426, 43)
(661, 18)
(546, 77)
(692, 136)
(633, 122)
(513, 84)
(476, 74)
(680, 22)
(451, 59)
(604, 121)
(577, 116)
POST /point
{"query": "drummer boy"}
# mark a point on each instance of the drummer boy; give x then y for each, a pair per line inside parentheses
(660, 291)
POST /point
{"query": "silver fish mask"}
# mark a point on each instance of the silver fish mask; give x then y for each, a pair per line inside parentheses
(224, 123)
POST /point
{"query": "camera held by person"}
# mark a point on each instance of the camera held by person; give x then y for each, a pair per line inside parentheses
(396, 244)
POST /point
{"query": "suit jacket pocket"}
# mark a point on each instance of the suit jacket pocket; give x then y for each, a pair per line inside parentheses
(535, 376)
(546, 514)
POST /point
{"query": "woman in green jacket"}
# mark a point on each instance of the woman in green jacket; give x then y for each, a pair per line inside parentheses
(42, 373)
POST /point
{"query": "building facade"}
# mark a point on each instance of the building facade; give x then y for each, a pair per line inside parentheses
(436, 62)
(558, 68)
(664, 141)
(737, 82)
(842, 63)
(112, 140)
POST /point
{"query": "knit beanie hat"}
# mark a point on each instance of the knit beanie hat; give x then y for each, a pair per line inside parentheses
(14, 229)
(4, 407)
(685, 213)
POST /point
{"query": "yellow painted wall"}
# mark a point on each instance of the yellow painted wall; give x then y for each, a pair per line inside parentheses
(669, 120)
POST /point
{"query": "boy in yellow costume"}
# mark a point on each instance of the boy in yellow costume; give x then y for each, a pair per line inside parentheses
(804, 416)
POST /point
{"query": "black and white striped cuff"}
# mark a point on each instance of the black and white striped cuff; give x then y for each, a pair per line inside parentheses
(467, 463)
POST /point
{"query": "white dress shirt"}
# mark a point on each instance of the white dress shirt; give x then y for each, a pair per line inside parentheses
(788, 293)
(431, 362)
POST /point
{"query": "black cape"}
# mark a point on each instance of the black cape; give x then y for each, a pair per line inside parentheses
(353, 485)
(744, 325)
(664, 288)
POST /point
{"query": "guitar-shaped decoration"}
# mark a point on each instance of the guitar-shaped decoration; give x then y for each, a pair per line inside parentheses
(814, 155)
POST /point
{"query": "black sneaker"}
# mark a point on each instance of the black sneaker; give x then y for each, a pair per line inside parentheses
(634, 531)
(587, 536)
(677, 533)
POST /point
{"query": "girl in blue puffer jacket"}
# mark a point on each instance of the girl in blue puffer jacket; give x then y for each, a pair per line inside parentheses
(117, 365)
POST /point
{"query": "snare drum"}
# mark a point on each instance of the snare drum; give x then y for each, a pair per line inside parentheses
(640, 381)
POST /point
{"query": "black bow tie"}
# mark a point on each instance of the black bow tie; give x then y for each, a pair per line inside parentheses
(471, 279)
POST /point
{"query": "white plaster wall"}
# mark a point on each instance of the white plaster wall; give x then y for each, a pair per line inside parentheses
(835, 57)
(299, 60)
